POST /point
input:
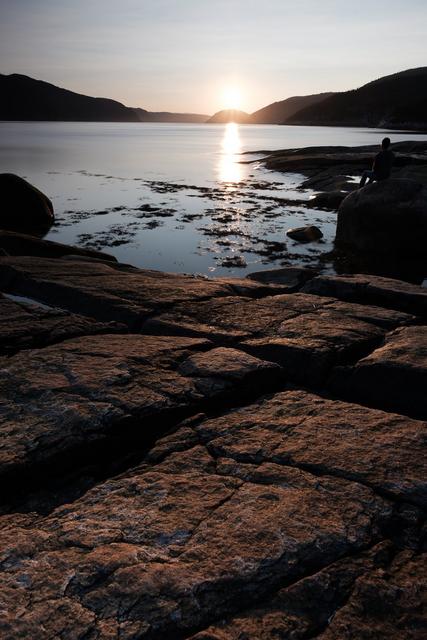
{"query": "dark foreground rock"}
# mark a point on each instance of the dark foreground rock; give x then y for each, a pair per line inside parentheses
(151, 490)
(173, 546)
(110, 292)
(207, 527)
(375, 290)
(361, 598)
(78, 391)
(24, 325)
(306, 334)
(392, 376)
(388, 217)
(23, 207)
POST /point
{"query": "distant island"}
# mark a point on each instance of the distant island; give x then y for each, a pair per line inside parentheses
(397, 101)
(230, 115)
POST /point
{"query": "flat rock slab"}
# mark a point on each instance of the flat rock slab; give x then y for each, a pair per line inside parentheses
(328, 437)
(24, 325)
(306, 334)
(110, 292)
(174, 546)
(70, 395)
(393, 376)
(292, 277)
(370, 596)
(376, 290)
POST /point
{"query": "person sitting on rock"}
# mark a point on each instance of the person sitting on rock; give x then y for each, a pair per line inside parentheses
(381, 168)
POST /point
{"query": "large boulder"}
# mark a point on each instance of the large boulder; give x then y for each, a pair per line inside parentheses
(23, 207)
(388, 217)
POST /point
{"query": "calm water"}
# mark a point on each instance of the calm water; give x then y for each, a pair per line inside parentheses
(175, 196)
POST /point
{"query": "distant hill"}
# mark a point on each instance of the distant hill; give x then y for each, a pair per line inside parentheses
(278, 112)
(25, 98)
(230, 115)
(395, 101)
(167, 116)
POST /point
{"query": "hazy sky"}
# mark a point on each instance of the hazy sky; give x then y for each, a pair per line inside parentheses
(181, 55)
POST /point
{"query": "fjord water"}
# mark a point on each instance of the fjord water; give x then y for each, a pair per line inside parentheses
(175, 197)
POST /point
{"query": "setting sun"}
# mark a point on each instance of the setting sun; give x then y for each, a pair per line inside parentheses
(231, 98)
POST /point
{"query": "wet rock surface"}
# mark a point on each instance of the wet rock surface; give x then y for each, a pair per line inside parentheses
(210, 459)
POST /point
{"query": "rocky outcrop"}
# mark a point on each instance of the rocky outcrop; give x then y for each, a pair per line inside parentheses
(79, 391)
(392, 376)
(201, 531)
(20, 244)
(26, 324)
(370, 596)
(170, 475)
(388, 217)
(23, 207)
(367, 289)
(305, 334)
(111, 292)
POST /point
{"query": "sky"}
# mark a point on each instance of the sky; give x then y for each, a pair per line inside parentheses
(201, 56)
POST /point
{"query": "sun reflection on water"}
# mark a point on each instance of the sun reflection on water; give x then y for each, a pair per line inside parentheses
(229, 169)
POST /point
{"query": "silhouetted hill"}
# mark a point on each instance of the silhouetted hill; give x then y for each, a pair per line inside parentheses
(24, 98)
(395, 101)
(167, 116)
(230, 115)
(278, 112)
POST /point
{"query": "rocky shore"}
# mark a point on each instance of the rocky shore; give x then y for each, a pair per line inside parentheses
(218, 459)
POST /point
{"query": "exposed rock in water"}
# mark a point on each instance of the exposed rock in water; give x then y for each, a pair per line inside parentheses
(329, 200)
(23, 207)
(305, 234)
(233, 261)
(293, 277)
(388, 217)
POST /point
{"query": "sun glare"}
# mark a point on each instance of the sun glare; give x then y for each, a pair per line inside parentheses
(232, 98)
(229, 167)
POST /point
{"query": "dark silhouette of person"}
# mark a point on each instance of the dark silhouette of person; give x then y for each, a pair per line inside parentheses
(381, 168)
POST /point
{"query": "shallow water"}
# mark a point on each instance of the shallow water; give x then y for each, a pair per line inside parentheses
(176, 197)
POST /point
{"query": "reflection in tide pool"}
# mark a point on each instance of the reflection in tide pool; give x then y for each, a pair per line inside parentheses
(229, 169)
